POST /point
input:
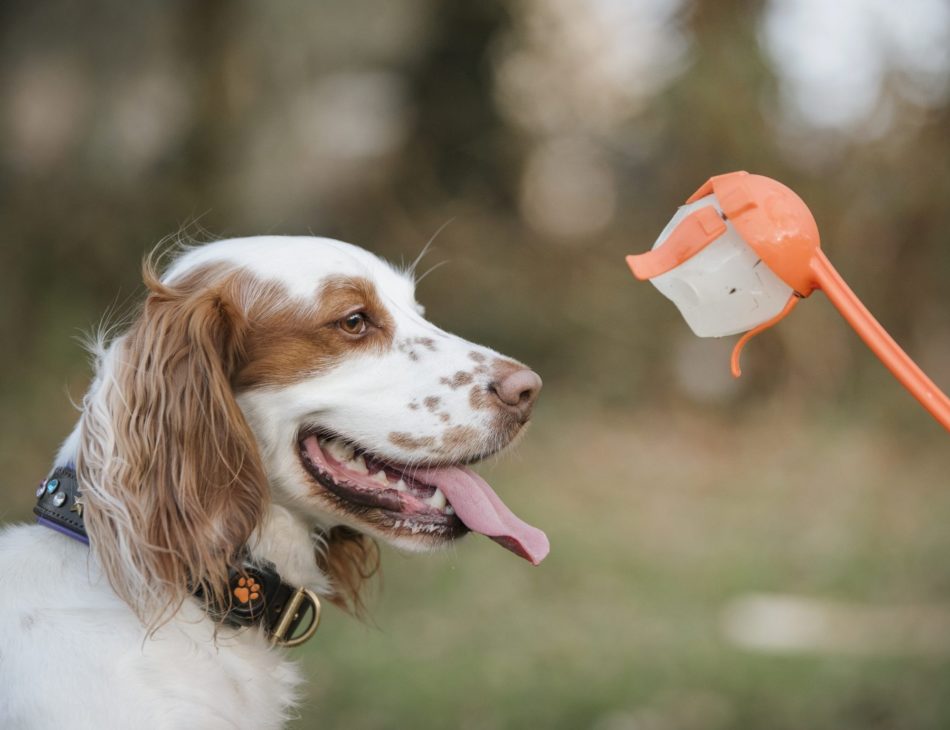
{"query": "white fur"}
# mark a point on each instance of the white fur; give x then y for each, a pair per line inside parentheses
(72, 655)
(75, 656)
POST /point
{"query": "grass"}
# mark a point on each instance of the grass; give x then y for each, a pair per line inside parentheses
(655, 524)
(657, 520)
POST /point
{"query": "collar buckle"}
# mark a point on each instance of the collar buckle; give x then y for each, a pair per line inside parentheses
(302, 601)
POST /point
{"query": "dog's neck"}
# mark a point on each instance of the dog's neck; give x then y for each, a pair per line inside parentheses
(283, 538)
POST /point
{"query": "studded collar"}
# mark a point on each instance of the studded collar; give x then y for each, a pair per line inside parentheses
(258, 596)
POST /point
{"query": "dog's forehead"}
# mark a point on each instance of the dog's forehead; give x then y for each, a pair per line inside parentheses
(301, 263)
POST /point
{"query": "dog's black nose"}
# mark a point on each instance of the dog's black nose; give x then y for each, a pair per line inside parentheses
(517, 390)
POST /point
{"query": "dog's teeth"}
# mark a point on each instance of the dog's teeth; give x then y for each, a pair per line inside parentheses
(448, 510)
(437, 500)
(380, 478)
(331, 445)
(358, 465)
(339, 451)
(400, 486)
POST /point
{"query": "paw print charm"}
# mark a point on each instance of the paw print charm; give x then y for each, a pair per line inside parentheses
(247, 590)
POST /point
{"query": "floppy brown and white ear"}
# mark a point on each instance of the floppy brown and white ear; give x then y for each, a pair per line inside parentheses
(171, 478)
(350, 559)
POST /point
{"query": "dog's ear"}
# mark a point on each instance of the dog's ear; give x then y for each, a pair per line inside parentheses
(171, 477)
(350, 559)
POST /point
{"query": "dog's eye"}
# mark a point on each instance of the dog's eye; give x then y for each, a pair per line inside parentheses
(353, 324)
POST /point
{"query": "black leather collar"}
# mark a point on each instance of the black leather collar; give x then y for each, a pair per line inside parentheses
(258, 595)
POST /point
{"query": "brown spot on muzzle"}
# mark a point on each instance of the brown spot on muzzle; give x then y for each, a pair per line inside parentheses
(409, 442)
(458, 380)
(426, 342)
(459, 440)
(432, 402)
(456, 442)
(479, 397)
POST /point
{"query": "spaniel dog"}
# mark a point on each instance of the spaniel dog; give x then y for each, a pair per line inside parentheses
(277, 406)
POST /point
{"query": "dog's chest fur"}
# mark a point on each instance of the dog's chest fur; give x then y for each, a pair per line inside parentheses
(75, 656)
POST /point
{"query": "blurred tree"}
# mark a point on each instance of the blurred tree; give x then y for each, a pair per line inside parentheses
(459, 146)
(124, 122)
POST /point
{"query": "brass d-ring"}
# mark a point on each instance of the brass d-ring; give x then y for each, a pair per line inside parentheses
(291, 610)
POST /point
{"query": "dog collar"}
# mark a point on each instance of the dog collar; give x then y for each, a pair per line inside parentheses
(259, 597)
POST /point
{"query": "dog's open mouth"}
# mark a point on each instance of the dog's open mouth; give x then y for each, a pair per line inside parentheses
(442, 502)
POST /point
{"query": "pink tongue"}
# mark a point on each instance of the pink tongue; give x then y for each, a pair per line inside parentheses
(482, 511)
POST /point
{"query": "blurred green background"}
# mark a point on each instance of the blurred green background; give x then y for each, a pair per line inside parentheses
(765, 553)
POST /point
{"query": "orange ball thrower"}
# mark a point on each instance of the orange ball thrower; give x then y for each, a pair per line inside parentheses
(738, 257)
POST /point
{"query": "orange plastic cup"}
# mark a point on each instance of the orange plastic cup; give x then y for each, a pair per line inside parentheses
(782, 232)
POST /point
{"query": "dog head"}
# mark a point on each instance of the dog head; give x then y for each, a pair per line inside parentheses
(299, 371)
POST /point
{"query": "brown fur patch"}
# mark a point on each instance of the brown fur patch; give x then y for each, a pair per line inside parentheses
(476, 356)
(350, 559)
(479, 397)
(287, 344)
(409, 442)
(426, 342)
(432, 402)
(458, 439)
(458, 380)
(406, 347)
(184, 465)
